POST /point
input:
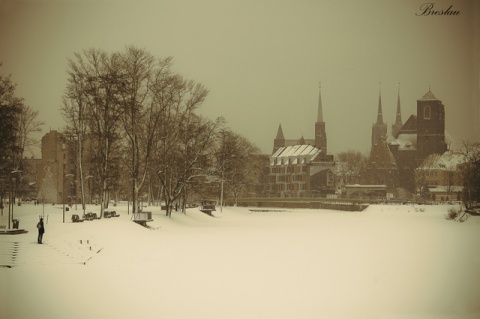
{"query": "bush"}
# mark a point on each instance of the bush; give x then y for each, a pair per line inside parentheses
(452, 213)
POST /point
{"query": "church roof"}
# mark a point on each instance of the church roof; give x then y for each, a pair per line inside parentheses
(280, 133)
(410, 125)
(296, 150)
(381, 154)
(428, 97)
(295, 154)
(310, 141)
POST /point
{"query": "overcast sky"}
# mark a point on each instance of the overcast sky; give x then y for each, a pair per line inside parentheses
(263, 60)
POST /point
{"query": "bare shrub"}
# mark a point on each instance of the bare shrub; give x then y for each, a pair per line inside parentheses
(452, 213)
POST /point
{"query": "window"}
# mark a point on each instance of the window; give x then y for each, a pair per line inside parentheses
(427, 112)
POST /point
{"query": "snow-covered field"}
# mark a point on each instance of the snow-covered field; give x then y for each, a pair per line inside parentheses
(385, 262)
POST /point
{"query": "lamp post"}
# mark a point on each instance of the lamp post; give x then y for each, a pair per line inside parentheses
(63, 195)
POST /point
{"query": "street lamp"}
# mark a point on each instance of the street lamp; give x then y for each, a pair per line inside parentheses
(63, 196)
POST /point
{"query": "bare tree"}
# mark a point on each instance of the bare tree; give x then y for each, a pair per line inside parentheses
(236, 165)
(75, 114)
(93, 103)
(183, 138)
(350, 165)
(11, 111)
(139, 112)
(470, 171)
(28, 124)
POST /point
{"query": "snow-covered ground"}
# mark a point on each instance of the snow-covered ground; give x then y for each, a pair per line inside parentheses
(385, 262)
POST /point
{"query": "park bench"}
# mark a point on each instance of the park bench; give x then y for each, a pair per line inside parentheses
(76, 219)
(142, 218)
(208, 209)
(90, 216)
(108, 214)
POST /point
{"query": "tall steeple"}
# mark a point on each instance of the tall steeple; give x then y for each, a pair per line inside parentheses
(320, 135)
(380, 113)
(398, 117)
(320, 110)
(280, 133)
(379, 129)
(279, 140)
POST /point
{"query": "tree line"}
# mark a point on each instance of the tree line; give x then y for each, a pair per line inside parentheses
(134, 123)
(18, 122)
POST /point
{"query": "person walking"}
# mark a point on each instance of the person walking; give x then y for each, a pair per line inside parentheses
(41, 230)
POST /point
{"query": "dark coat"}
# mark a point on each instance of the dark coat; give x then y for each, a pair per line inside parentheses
(41, 227)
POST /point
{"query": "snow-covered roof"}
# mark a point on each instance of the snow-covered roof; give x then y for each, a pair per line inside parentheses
(294, 154)
(296, 150)
(445, 189)
(303, 140)
(447, 161)
(405, 142)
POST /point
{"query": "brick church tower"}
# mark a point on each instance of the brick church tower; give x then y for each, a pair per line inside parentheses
(430, 126)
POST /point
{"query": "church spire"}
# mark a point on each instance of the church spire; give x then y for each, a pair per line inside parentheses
(379, 129)
(380, 114)
(320, 110)
(280, 133)
(320, 134)
(279, 141)
(398, 118)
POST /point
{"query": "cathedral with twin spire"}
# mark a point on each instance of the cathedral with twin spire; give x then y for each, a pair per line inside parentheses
(302, 167)
(394, 157)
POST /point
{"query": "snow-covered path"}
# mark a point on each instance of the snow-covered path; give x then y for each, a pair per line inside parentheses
(385, 262)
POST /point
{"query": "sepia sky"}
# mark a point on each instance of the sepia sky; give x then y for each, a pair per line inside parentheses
(263, 60)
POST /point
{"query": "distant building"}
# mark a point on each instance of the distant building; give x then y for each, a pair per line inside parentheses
(394, 158)
(301, 167)
(29, 177)
(58, 161)
(440, 175)
(421, 136)
(382, 167)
